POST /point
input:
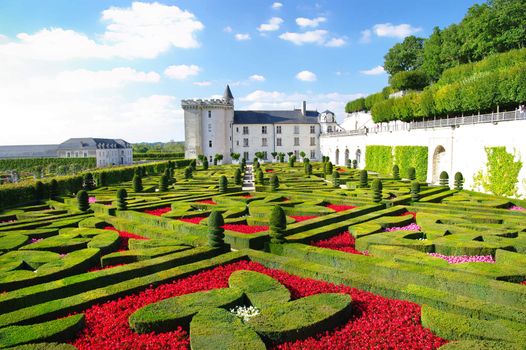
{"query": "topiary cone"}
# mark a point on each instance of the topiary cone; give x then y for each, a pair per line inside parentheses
(278, 224)
(377, 187)
(237, 176)
(137, 183)
(274, 183)
(411, 173)
(364, 179)
(415, 191)
(396, 172)
(335, 179)
(444, 179)
(223, 184)
(121, 199)
(215, 230)
(82, 200)
(459, 181)
(163, 183)
(260, 178)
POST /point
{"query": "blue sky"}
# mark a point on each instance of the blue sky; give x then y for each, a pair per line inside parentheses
(120, 68)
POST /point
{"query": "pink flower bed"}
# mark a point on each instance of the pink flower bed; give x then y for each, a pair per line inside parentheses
(410, 227)
(158, 211)
(343, 242)
(245, 228)
(517, 208)
(207, 201)
(92, 200)
(464, 258)
(375, 323)
(338, 208)
(300, 218)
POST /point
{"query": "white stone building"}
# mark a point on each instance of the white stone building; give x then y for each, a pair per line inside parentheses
(107, 151)
(215, 127)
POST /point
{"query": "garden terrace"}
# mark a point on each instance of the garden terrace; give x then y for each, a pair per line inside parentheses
(352, 267)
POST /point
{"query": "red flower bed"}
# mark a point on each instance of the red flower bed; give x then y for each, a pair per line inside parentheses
(409, 213)
(245, 228)
(124, 237)
(98, 268)
(343, 242)
(195, 220)
(207, 201)
(247, 196)
(158, 211)
(340, 170)
(376, 322)
(269, 170)
(523, 282)
(338, 208)
(300, 218)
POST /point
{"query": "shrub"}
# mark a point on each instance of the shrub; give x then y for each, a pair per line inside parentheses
(82, 200)
(379, 158)
(291, 161)
(278, 225)
(188, 172)
(444, 179)
(409, 80)
(335, 179)
(88, 182)
(216, 231)
(377, 187)
(121, 199)
(308, 169)
(363, 179)
(415, 191)
(355, 164)
(53, 189)
(39, 190)
(102, 179)
(205, 163)
(411, 173)
(260, 178)
(274, 182)
(223, 184)
(459, 181)
(355, 105)
(163, 183)
(237, 176)
(281, 157)
(412, 156)
(396, 172)
(137, 183)
(328, 168)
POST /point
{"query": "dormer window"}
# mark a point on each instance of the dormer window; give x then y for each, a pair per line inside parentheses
(209, 114)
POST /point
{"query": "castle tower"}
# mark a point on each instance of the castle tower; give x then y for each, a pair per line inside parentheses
(208, 126)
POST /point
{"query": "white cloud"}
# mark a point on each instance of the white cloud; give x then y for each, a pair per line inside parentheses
(143, 30)
(336, 42)
(182, 71)
(366, 36)
(306, 75)
(307, 22)
(202, 83)
(227, 29)
(318, 36)
(257, 77)
(242, 37)
(273, 24)
(260, 99)
(277, 5)
(394, 31)
(374, 71)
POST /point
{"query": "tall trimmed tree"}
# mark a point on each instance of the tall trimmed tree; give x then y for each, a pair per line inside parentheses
(396, 172)
(87, 182)
(364, 180)
(223, 184)
(377, 187)
(274, 183)
(163, 183)
(122, 204)
(237, 176)
(82, 200)
(308, 169)
(39, 190)
(260, 177)
(459, 181)
(415, 191)
(328, 168)
(444, 179)
(53, 189)
(411, 173)
(205, 163)
(335, 179)
(188, 172)
(216, 231)
(278, 225)
(137, 183)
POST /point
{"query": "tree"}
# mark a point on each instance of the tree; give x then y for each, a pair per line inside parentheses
(137, 183)
(444, 179)
(259, 155)
(328, 168)
(396, 172)
(188, 172)
(223, 184)
(415, 191)
(411, 80)
(260, 178)
(433, 65)
(53, 189)
(274, 155)
(274, 183)
(411, 173)
(308, 169)
(291, 161)
(215, 230)
(404, 56)
(459, 181)
(237, 176)
(163, 183)
(335, 179)
(88, 183)
(235, 156)
(377, 187)
(205, 164)
(82, 200)
(364, 179)
(290, 154)
(281, 156)
(39, 191)
(278, 225)
(217, 158)
(302, 154)
(122, 204)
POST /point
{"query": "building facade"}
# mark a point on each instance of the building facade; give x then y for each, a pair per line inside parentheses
(108, 152)
(215, 127)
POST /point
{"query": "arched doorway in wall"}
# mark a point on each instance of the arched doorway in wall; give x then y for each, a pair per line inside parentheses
(337, 159)
(438, 163)
(346, 156)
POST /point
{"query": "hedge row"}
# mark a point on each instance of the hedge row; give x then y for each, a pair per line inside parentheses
(379, 158)
(158, 156)
(21, 164)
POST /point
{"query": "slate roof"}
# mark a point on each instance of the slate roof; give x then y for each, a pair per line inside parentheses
(29, 151)
(275, 117)
(227, 95)
(90, 143)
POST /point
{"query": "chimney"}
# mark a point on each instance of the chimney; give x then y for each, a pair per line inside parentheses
(304, 108)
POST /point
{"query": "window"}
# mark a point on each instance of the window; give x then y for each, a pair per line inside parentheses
(264, 142)
(278, 142)
(265, 156)
(296, 153)
(68, 154)
(245, 155)
(209, 127)
(313, 141)
(278, 129)
(211, 159)
(329, 128)
(312, 154)
(263, 129)
(237, 129)
(245, 130)
(312, 129)
(209, 114)
(296, 141)
(76, 154)
(85, 154)
(210, 143)
(245, 143)
(296, 129)
(237, 143)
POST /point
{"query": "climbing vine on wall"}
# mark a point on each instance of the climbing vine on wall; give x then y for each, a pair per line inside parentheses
(379, 159)
(501, 175)
(412, 156)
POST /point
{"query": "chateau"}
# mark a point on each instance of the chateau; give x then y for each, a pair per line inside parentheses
(215, 127)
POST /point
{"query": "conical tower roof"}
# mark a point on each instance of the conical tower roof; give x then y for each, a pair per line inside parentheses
(228, 94)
